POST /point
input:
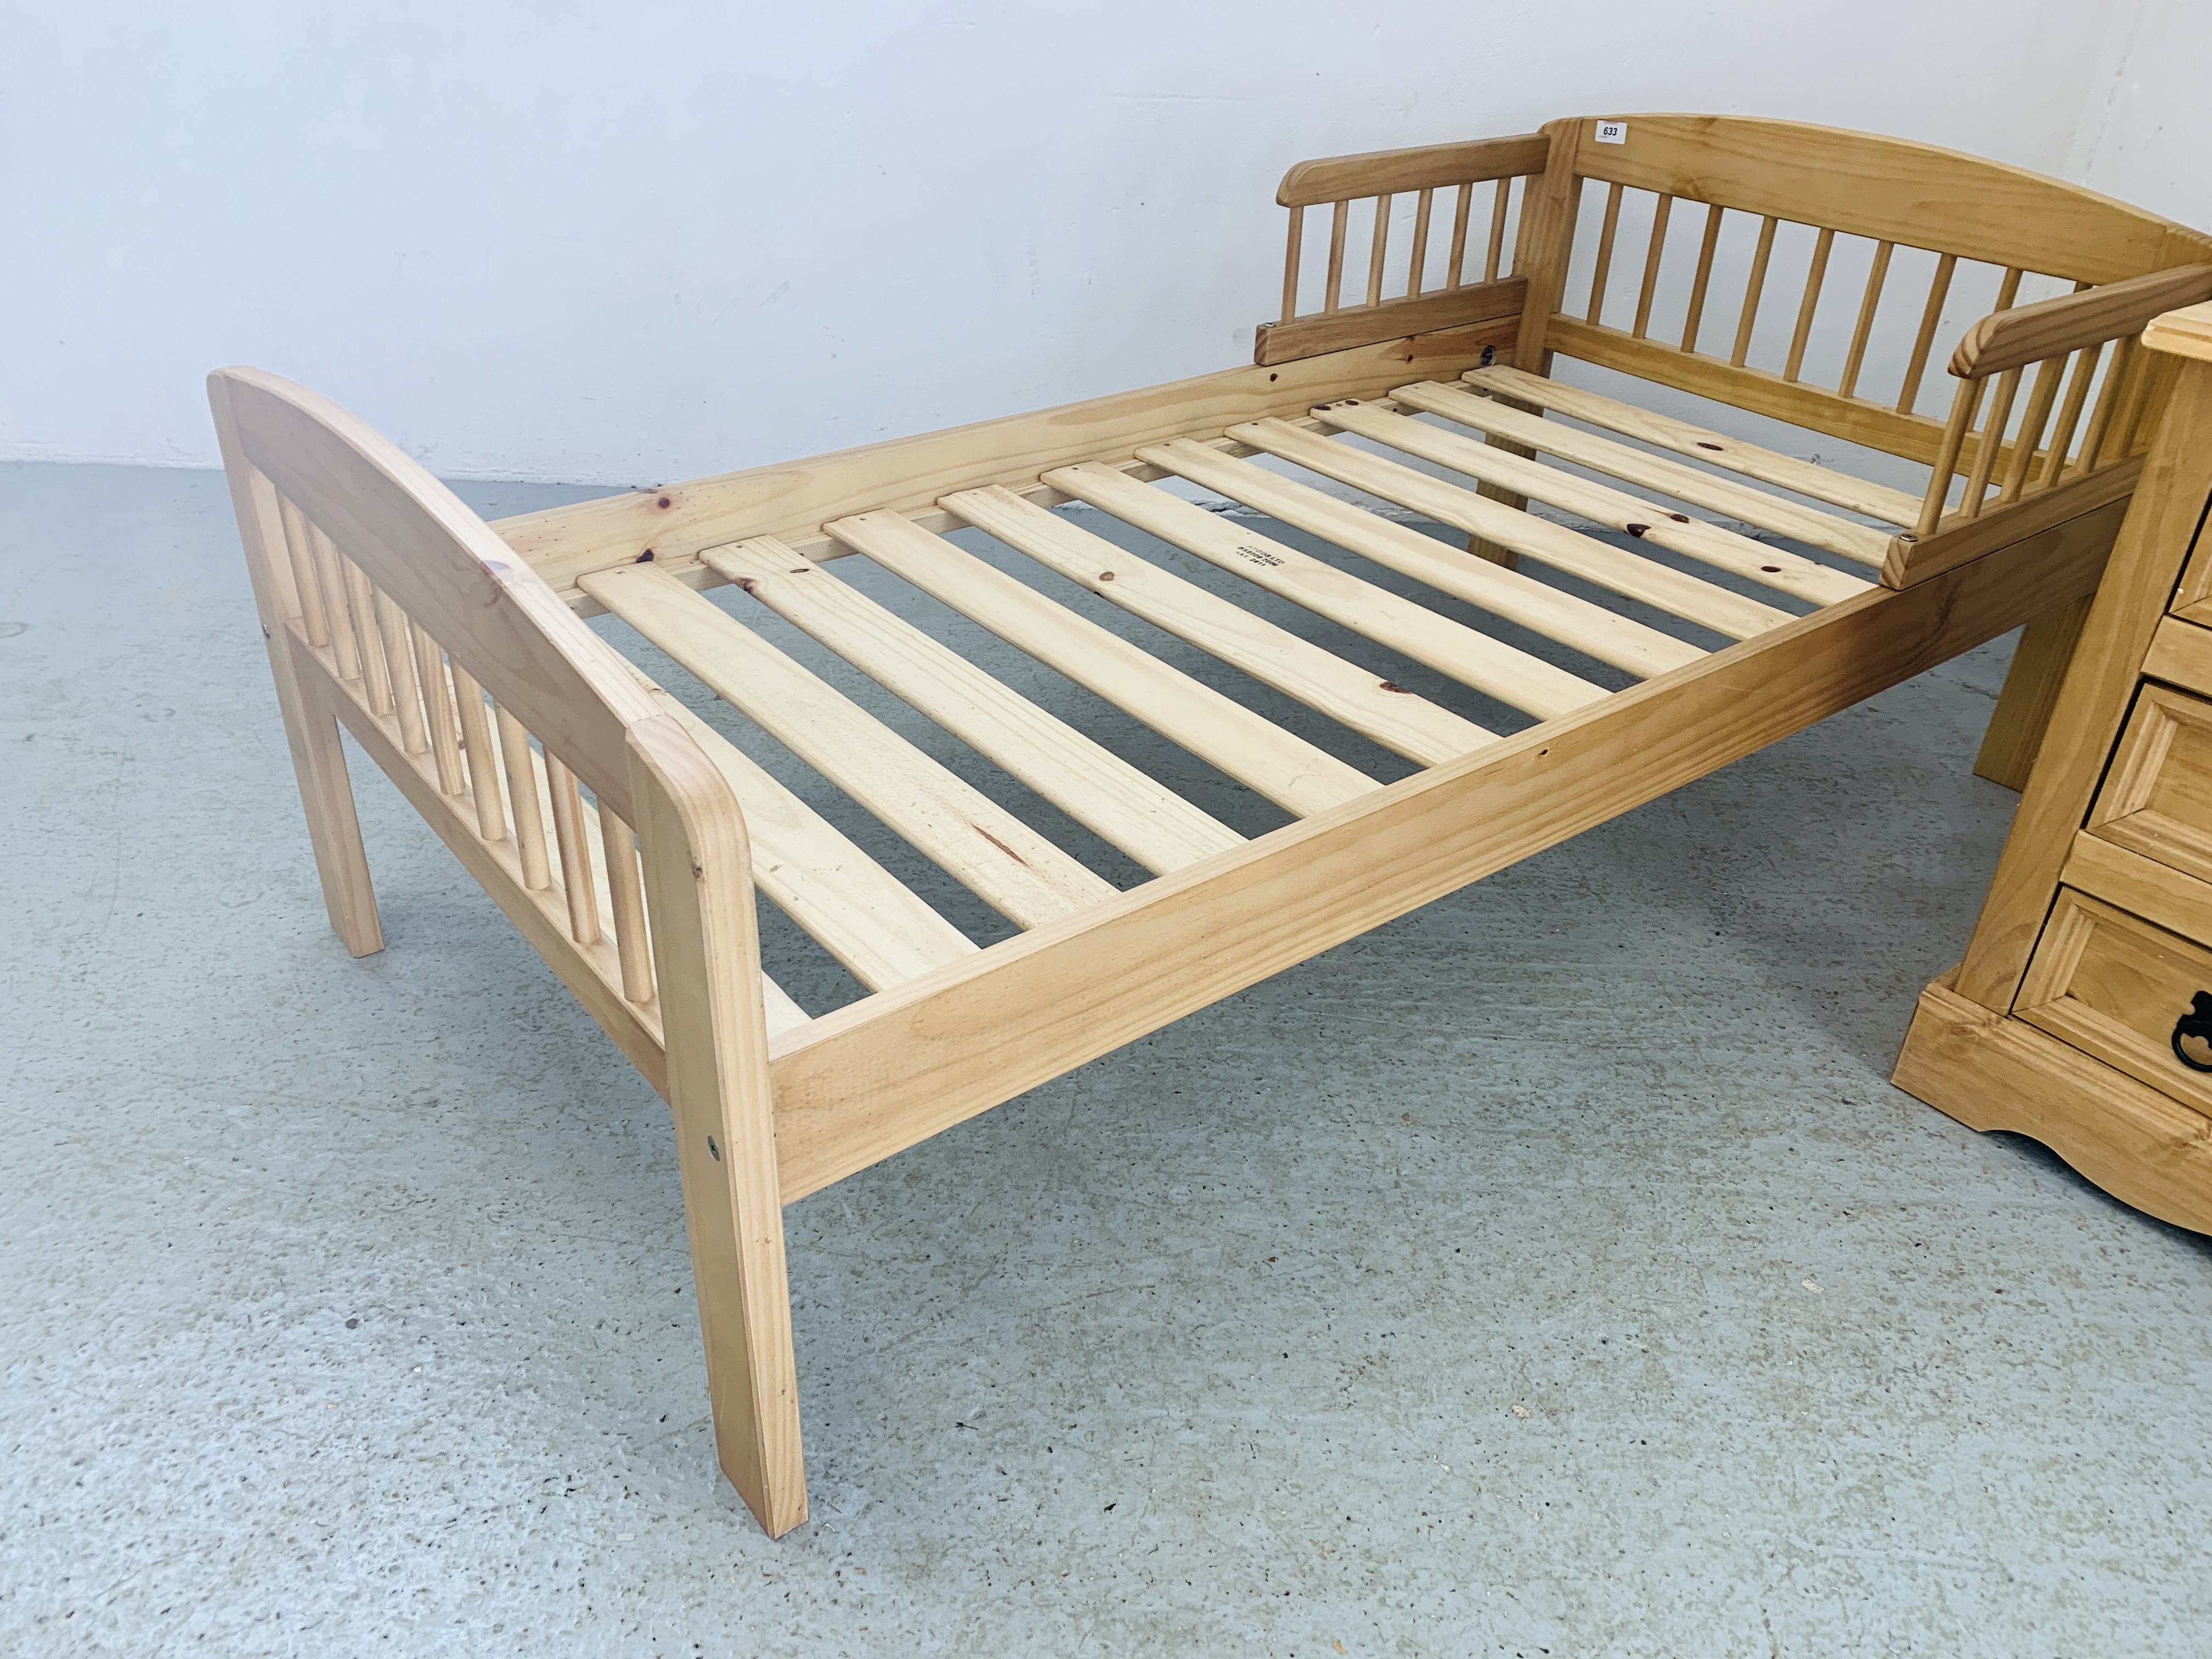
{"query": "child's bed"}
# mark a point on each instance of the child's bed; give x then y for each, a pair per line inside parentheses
(627, 837)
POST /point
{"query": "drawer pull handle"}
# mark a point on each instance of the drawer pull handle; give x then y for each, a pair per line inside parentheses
(2196, 1023)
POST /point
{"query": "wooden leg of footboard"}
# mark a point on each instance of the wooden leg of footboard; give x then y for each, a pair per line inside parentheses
(2030, 693)
(310, 729)
(333, 828)
(706, 957)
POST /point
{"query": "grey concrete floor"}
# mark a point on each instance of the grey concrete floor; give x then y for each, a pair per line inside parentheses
(1552, 1271)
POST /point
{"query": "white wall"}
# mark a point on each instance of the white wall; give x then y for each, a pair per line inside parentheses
(2146, 133)
(630, 243)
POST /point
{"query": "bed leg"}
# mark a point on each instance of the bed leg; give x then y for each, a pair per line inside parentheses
(706, 958)
(333, 828)
(2030, 693)
(1481, 546)
(310, 729)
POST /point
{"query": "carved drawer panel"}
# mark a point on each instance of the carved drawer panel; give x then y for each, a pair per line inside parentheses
(2115, 986)
(2157, 797)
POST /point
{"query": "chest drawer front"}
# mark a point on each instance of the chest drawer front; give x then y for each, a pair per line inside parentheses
(2192, 595)
(2157, 797)
(2115, 987)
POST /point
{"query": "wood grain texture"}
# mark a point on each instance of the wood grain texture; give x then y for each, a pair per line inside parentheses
(311, 731)
(1514, 676)
(417, 542)
(1615, 568)
(2146, 886)
(1424, 166)
(2114, 986)
(592, 974)
(871, 922)
(1822, 483)
(707, 960)
(1889, 190)
(863, 1082)
(2156, 798)
(2181, 652)
(1959, 538)
(1591, 629)
(793, 501)
(1094, 785)
(1992, 1072)
(1002, 860)
(1857, 419)
(2146, 559)
(1375, 706)
(2184, 333)
(1616, 510)
(1799, 522)
(2050, 328)
(2029, 695)
(1389, 319)
(1297, 775)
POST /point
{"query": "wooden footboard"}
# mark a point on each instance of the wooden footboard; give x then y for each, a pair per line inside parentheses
(587, 811)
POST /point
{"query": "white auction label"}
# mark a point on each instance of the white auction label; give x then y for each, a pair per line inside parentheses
(1612, 132)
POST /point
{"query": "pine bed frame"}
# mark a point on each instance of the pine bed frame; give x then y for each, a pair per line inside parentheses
(626, 838)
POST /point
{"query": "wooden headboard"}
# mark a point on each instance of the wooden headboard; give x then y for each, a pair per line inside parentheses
(1970, 228)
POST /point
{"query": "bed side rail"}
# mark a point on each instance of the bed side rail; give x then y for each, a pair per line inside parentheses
(1429, 290)
(2063, 339)
(1806, 272)
(2044, 461)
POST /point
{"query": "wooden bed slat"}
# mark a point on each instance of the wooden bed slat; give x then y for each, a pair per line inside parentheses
(1481, 582)
(1501, 671)
(1094, 785)
(1600, 503)
(1280, 765)
(1566, 549)
(1589, 629)
(1372, 706)
(1822, 483)
(859, 912)
(1009, 866)
(1706, 489)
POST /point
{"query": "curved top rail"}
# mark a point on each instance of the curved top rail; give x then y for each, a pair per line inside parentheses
(1896, 190)
(441, 565)
(1426, 167)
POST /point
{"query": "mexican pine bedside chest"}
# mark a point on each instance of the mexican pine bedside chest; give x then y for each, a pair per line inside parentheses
(2082, 1013)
